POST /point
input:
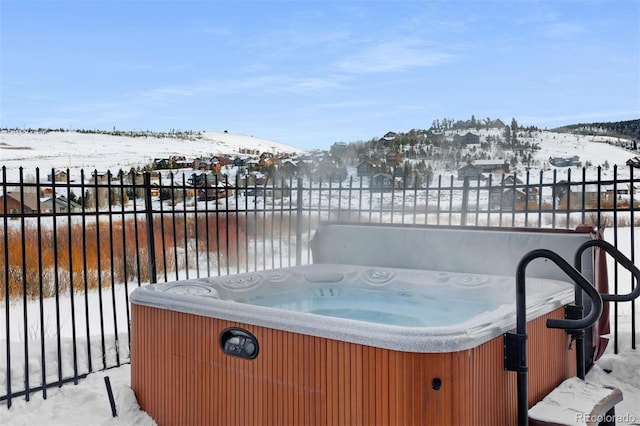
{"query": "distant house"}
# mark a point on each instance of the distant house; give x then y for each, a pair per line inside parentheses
(467, 139)
(252, 165)
(266, 160)
(161, 163)
(579, 195)
(498, 124)
(223, 160)
(384, 182)
(513, 192)
(339, 148)
(288, 167)
(565, 161)
(492, 166)
(59, 205)
(249, 151)
(180, 161)
(510, 198)
(388, 137)
(29, 203)
(634, 162)
(100, 177)
(199, 180)
(367, 168)
(17, 203)
(469, 171)
(393, 158)
(214, 192)
(58, 176)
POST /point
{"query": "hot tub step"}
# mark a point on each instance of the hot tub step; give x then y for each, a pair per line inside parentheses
(576, 402)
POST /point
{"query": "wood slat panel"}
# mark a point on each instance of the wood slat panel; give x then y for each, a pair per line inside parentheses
(181, 376)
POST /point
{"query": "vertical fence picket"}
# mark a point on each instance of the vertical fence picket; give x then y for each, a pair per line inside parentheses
(174, 232)
(7, 287)
(125, 271)
(632, 254)
(198, 194)
(109, 190)
(43, 357)
(246, 223)
(85, 269)
(25, 295)
(227, 232)
(206, 233)
(70, 239)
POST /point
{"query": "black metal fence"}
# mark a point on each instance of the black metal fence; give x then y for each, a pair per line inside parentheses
(73, 249)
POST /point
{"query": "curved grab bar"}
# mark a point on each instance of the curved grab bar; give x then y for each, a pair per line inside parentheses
(621, 259)
(576, 276)
(567, 324)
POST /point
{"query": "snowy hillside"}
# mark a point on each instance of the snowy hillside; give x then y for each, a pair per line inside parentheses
(593, 152)
(102, 152)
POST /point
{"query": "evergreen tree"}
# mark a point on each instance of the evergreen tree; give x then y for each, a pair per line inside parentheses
(507, 135)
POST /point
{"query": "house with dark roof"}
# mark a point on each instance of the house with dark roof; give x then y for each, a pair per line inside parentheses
(467, 139)
(384, 182)
(367, 168)
(512, 192)
(634, 162)
(58, 176)
(492, 166)
(18, 203)
(388, 137)
(393, 157)
(469, 171)
(59, 204)
(565, 161)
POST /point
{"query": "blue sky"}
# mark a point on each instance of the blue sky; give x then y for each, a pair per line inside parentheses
(310, 73)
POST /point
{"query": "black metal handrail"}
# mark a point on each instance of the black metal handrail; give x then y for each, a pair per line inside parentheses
(621, 259)
(606, 297)
(518, 341)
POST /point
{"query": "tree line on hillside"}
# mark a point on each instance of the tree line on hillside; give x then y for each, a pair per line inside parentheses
(629, 129)
(173, 133)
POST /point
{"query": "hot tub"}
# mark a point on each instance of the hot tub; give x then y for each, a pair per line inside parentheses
(341, 344)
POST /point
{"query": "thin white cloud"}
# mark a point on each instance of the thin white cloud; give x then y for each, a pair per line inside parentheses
(394, 56)
(349, 104)
(166, 95)
(564, 30)
(214, 30)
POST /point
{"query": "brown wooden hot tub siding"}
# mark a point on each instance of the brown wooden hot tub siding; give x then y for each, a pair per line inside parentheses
(181, 377)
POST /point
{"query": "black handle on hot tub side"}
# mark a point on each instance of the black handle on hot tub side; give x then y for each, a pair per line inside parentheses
(621, 259)
(607, 297)
(520, 335)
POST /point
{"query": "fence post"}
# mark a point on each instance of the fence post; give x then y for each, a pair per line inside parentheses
(465, 201)
(151, 245)
(299, 222)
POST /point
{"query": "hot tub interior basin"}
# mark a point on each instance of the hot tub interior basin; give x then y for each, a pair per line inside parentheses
(396, 308)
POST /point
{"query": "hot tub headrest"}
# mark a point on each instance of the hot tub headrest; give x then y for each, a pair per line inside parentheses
(494, 251)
